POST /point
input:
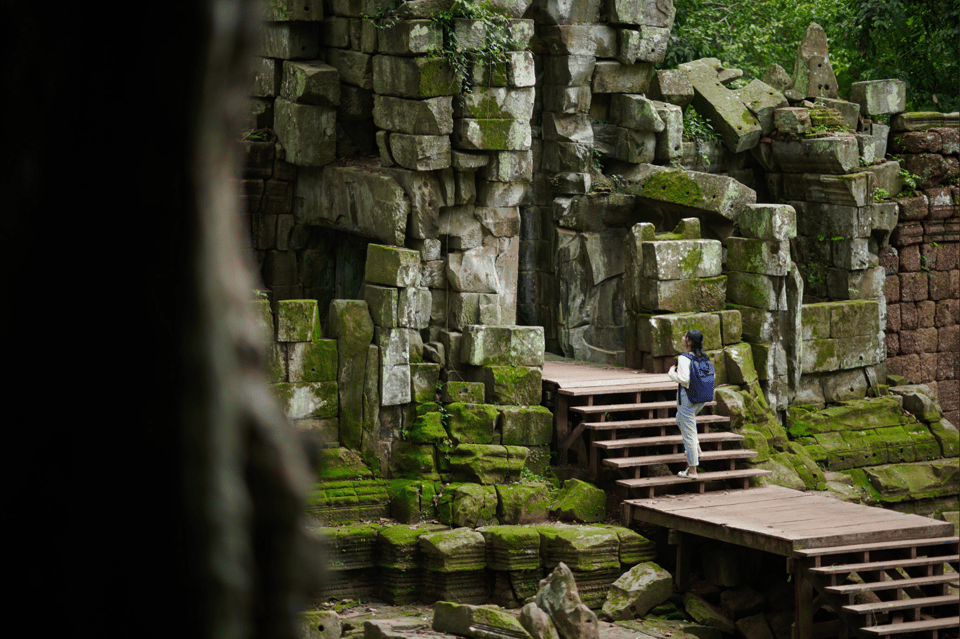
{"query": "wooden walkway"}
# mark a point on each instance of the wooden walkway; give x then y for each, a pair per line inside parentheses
(837, 552)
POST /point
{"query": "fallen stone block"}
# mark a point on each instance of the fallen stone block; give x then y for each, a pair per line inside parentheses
(559, 598)
(289, 40)
(477, 622)
(737, 126)
(855, 189)
(670, 140)
(762, 99)
(537, 622)
(637, 591)
(579, 501)
(672, 86)
(792, 121)
(635, 112)
(652, 46)
(689, 192)
(496, 103)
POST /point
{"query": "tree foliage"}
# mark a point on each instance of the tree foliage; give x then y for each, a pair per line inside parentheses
(913, 40)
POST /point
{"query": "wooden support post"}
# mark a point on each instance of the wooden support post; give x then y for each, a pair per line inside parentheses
(803, 605)
(562, 426)
(684, 548)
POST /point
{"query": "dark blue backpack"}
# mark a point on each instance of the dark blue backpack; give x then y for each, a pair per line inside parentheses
(701, 380)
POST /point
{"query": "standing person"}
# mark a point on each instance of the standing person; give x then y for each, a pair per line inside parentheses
(686, 410)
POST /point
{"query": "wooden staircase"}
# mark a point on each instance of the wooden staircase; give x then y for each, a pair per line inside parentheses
(885, 589)
(629, 425)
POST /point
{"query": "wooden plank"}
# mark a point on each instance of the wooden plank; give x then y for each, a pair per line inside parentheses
(665, 439)
(913, 626)
(883, 565)
(903, 604)
(911, 532)
(669, 480)
(632, 387)
(873, 586)
(888, 545)
(620, 408)
(648, 460)
(653, 421)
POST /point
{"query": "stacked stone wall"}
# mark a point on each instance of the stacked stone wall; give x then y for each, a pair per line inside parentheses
(922, 284)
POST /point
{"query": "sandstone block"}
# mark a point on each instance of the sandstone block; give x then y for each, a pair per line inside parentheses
(757, 291)
(737, 126)
(290, 40)
(416, 117)
(836, 154)
(672, 86)
(503, 345)
(612, 77)
(391, 266)
(758, 256)
(420, 152)
(775, 222)
(310, 82)
(681, 259)
(879, 97)
(409, 38)
(307, 132)
(762, 99)
(491, 135)
(413, 77)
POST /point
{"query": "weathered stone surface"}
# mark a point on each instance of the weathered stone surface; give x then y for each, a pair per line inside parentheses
(829, 220)
(391, 266)
(424, 192)
(394, 345)
(879, 97)
(289, 40)
(409, 38)
(537, 622)
(350, 324)
(350, 199)
(649, 12)
(580, 502)
(849, 111)
(310, 82)
(489, 465)
(416, 117)
(307, 132)
(761, 99)
(792, 121)
(855, 189)
(755, 290)
(298, 321)
(612, 77)
(474, 621)
(559, 598)
(309, 399)
(670, 141)
(355, 68)
(503, 345)
(413, 77)
(672, 86)
(758, 256)
(420, 152)
(508, 166)
(681, 259)
(491, 134)
(835, 154)
(599, 40)
(473, 271)
(660, 335)
(526, 425)
(564, 99)
(521, 504)
(637, 591)
(776, 222)
(812, 74)
(689, 192)
(512, 385)
(635, 112)
(737, 126)
(706, 614)
(497, 103)
(472, 423)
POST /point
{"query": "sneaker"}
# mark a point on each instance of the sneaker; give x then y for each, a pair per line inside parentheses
(686, 475)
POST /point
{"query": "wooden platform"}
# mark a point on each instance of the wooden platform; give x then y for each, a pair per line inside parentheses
(780, 520)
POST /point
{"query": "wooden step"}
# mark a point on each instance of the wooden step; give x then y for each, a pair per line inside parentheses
(668, 480)
(912, 626)
(622, 408)
(873, 586)
(884, 565)
(649, 423)
(676, 458)
(885, 545)
(614, 444)
(903, 604)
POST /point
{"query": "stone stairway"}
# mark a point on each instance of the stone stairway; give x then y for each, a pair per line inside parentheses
(884, 589)
(635, 432)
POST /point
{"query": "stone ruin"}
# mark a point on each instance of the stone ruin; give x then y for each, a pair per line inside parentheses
(423, 247)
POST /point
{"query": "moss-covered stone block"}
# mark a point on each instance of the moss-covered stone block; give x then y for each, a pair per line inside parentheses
(458, 550)
(392, 266)
(487, 464)
(660, 335)
(921, 480)
(756, 290)
(298, 321)
(412, 460)
(476, 621)
(758, 256)
(757, 325)
(947, 437)
(474, 505)
(680, 259)
(523, 504)
(512, 385)
(580, 502)
(719, 367)
(731, 327)
(312, 361)
(782, 473)
(738, 361)
(538, 460)
(349, 323)
(768, 221)
(854, 317)
(502, 345)
(411, 500)
(857, 415)
(769, 360)
(472, 423)
(276, 362)
(427, 429)
(337, 464)
(873, 447)
(815, 321)
(820, 356)
(424, 378)
(311, 399)
(684, 296)
(463, 392)
(382, 301)
(264, 318)
(526, 426)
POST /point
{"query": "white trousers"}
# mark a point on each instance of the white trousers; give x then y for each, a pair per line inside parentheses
(687, 421)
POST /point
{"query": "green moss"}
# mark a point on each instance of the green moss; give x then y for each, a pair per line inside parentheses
(691, 261)
(673, 186)
(827, 352)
